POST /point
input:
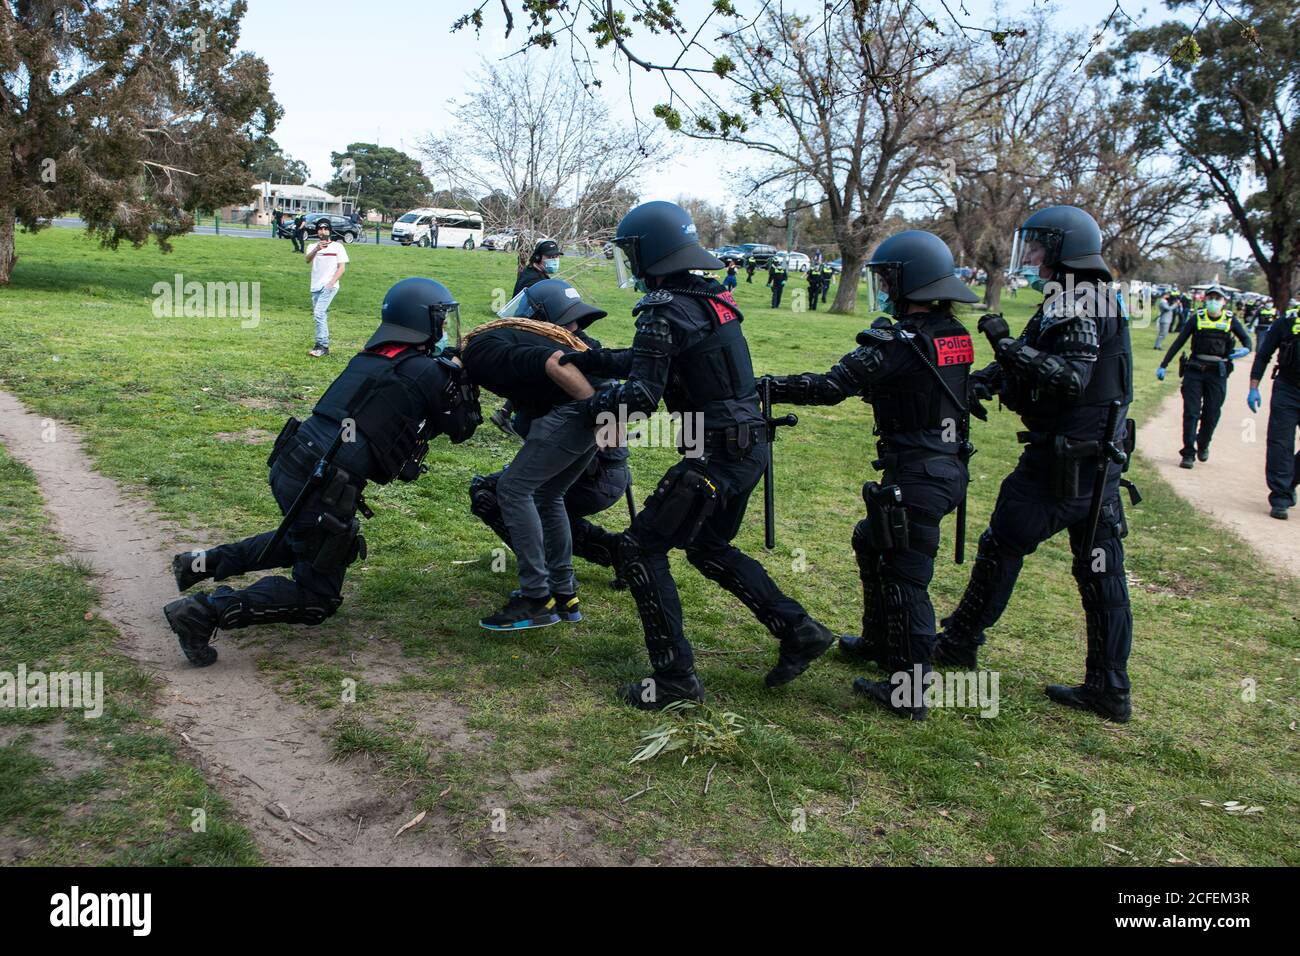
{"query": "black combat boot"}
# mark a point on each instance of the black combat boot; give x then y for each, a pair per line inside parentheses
(1112, 704)
(195, 623)
(1203, 455)
(953, 651)
(901, 700)
(659, 690)
(862, 649)
(810, 640)
(183, 570)
(1187, 462)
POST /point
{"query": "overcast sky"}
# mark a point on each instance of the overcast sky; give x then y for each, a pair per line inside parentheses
(409, 66)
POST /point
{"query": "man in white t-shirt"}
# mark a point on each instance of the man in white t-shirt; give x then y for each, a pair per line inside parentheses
(328, 260)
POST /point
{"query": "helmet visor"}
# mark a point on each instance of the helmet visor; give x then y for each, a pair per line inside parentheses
(517, 308)
(883, 284)
(625, 263)
(441, 316)
(1035, 247)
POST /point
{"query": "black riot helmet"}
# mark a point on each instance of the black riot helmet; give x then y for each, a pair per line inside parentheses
(658, 239)
(915, 266)
(415, 312)
(552, 300)
(1067, 236)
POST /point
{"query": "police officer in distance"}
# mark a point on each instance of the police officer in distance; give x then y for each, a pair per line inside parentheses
(777, 275)
(914, 375)
(1061, 375)
(606, 478)
(1282, 462)
(374, 423)
(1205, 374)
(689, 350)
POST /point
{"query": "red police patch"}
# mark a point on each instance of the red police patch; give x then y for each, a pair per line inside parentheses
(955, 350)
(724, 313)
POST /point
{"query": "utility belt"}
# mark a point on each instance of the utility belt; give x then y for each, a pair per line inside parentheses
(336, 540)
(889, 523)
(735, 441)
(1068, 458)
(891, 461)
(1194, 364)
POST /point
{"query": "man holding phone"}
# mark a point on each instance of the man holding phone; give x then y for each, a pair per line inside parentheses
(328, 261)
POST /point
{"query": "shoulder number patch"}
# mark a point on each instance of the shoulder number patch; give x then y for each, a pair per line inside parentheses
(954, 350)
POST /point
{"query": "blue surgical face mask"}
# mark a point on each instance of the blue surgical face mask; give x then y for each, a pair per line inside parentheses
(1038, 283)
(640, 286)
(551, 265)
(884, 303)
(442, 344)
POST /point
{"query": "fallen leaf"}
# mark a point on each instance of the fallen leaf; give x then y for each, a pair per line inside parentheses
(413, 822)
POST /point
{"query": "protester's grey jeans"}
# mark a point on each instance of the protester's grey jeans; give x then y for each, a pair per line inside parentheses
(557, 450)
(1162, 327)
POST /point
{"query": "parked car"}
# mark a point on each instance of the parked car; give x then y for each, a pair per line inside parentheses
(757, 253)
(505, 241)
(794, 261)
(837, 265)
(341, 227)
(730, 252)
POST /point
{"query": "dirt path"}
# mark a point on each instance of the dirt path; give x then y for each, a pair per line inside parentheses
(257, 747)
(1230, 486)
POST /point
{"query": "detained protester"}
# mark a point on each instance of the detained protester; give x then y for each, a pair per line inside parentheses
(604, 481)
(913, 372)
(518, 359)
(374, 423)
(1069, 376)
(1282, 461)
(689, 350)
(1205, 374)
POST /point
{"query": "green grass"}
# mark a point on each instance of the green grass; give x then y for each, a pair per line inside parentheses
(108, 790)
(160, 400)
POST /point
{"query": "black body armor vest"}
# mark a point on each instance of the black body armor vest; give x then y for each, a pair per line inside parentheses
(717, 367)
(920, 403)
(398, 404)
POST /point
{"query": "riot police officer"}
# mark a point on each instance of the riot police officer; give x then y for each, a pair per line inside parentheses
(1282, 462)
(689, 350)
(1066, 375)
(827, 275)
(814, 285)
(604, 481)
(914, 375)
(1205, 374)
(374, 423)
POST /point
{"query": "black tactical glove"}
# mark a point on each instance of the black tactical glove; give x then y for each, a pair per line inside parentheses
(602, 363)
(793, 389)
(994, 327)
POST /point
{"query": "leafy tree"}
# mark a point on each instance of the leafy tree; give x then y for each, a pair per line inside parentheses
(1227, 100)
(269, 163)
(130, 114)
(389, 180)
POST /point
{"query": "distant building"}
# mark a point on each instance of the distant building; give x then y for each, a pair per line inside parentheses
(266, 198)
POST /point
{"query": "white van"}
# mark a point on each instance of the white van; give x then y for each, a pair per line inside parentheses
(444, 228)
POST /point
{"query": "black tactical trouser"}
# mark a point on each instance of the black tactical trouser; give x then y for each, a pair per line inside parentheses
(597, 489)
(643, 555)
(777, 288)
(897, 616)
(1282, 464)
(1203, 395)
(1028, 512)
(310, 597)
(813, 291)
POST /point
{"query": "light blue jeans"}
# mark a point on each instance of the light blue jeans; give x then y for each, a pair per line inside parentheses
(320, 309)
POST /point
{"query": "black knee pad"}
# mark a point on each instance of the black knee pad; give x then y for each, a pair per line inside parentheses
(483, 496)
(309, 610)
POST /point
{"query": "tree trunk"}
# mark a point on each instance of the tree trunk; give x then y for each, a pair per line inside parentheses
(7, 255)
(1279, 284)
(846, 294)
(992, 287)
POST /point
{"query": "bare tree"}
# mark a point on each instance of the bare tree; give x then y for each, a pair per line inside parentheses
(541, 151)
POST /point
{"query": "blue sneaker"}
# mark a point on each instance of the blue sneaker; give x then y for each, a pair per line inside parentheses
(521, 613)
(567, 606)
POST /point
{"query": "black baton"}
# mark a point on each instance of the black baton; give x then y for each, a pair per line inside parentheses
(1108, 450)
(769, 487)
